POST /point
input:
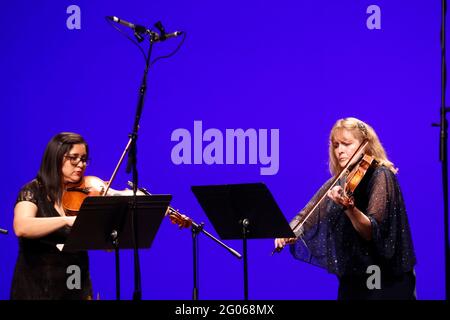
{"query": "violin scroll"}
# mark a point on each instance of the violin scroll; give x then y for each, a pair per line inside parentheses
(179, 219)
(174, 215)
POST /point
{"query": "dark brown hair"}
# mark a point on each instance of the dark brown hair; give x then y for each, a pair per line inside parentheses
(50, 172)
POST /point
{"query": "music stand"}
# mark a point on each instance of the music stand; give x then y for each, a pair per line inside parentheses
(243, 211)
(104, 223)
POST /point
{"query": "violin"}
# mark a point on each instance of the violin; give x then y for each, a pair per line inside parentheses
(355, 176)
(75, 193)
(354, 172)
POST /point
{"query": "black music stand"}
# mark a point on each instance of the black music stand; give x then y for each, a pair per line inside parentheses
(104, 223)
(243, 211)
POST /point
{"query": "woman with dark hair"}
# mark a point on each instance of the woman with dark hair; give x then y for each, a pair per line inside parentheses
(364, 239)
(42, 271)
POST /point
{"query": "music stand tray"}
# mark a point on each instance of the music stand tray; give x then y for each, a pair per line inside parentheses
(227, 205)
(105, 223)
(243, 211)
(99, 216)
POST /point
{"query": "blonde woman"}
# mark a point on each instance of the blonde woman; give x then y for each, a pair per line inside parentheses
(366, 242)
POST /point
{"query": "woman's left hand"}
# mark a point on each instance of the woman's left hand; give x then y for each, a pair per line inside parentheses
(337, 194)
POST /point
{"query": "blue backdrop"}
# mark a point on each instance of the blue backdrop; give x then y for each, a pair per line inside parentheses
(294, 66)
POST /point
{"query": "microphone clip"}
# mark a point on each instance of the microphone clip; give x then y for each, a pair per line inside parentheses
(138, 36)
(162, 36)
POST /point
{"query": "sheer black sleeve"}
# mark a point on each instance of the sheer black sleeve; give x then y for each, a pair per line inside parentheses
(329, 240)
(386, 211)
(311, 244)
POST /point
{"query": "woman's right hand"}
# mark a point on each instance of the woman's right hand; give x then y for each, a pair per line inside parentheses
(282, 242)
(70, 220)
(124, 192)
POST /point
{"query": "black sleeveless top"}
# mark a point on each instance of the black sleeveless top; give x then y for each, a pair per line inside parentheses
(42, 271)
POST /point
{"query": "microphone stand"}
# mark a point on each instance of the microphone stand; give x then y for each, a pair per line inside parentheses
(443, 153)
(131, 149)
(132, 166)
(443, 148)
(245, 223)
(196, 229)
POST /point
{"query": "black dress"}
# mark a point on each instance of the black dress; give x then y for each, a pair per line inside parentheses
(42, 271)
(329, 240)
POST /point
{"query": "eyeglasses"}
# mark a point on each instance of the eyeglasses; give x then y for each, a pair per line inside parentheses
(75, 160)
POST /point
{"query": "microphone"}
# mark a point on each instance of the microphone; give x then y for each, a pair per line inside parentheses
(136, 27)
(163, 35)
(166, 36)
(141, 29)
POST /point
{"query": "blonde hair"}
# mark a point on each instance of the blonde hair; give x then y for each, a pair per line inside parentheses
(360, 131)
